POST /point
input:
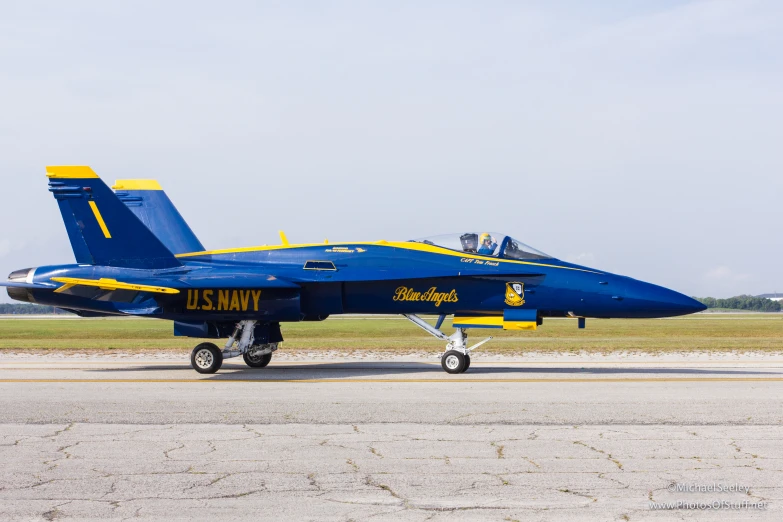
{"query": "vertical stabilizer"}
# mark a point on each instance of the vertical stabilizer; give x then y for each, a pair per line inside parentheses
(102, 230)
(147, 200)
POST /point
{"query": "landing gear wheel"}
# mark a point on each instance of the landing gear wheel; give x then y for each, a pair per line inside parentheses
(206, 358)
(257, 361)
(453, 362)
(467, 363)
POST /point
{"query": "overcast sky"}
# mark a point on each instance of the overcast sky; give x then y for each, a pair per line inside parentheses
(642, 138)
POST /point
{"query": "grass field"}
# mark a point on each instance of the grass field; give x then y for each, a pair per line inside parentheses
(703, 332)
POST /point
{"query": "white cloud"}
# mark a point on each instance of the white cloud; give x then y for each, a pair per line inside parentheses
(724, 273)
(584, 258)
(5, 247)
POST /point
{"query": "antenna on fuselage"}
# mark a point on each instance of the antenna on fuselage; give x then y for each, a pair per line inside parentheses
(283, 238)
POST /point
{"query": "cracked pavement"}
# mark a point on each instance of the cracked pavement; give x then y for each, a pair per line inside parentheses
(354, 450)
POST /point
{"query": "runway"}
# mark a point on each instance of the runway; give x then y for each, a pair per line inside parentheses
(566, 438)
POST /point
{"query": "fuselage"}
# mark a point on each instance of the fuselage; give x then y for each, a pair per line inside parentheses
(136, 256)
(317, 280)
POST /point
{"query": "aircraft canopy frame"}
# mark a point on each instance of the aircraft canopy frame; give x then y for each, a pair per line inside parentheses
(490, 244)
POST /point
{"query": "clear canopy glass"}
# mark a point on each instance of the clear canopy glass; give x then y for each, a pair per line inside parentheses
(485, 243)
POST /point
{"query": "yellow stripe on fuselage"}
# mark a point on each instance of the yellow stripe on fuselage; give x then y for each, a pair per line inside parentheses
(520, 325)
(405, 245)
(110, 284)
(493, 321)
(100, 220)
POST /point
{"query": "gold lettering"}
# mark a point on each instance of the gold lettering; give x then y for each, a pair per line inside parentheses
(222, 299)
(432, 295)
(192, 299)
(234, 301)
(207, 294)
(256, 295)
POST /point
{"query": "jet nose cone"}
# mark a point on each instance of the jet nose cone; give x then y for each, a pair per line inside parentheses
(688, 305)
(657, 301)
(697, 306)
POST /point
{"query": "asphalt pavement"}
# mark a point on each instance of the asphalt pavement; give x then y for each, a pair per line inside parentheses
(561, 438)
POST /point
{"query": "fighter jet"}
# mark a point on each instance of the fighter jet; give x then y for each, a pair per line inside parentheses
(136, 256)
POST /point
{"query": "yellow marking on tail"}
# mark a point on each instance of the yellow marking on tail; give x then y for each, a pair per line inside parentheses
(98, 217)
(70, 171)
(136, 184)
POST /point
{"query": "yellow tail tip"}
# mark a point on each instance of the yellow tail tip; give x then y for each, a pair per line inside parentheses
(136, 184)
(70, 171)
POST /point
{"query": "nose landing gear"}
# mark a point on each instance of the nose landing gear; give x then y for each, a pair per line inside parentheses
(455, 362)
(456, 358)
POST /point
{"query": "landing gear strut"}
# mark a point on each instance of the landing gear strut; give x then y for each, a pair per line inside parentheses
(259, 355)
(456, 358)
(208, 358)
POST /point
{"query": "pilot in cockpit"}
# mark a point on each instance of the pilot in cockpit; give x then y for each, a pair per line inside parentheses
(469, 242)
(487, 244)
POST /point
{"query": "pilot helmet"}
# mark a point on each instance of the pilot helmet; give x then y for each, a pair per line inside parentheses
(484, 238)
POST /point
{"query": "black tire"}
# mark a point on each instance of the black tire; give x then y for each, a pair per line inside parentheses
(467, 363)
(259, 361)
(206, 358)
(453, 362)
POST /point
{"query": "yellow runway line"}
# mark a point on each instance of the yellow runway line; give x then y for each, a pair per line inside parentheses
(284, 364)
(402, 381)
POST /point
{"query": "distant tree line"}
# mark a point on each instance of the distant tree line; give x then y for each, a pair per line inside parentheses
(742, 302)
(28, 309)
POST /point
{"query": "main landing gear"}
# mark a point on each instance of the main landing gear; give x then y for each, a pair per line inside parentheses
(208, 358)
(456, 358)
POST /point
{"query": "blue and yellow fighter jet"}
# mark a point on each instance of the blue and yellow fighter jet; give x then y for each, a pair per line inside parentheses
(136, 256)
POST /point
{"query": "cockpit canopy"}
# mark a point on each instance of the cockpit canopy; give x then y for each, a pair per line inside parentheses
(486, 244)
